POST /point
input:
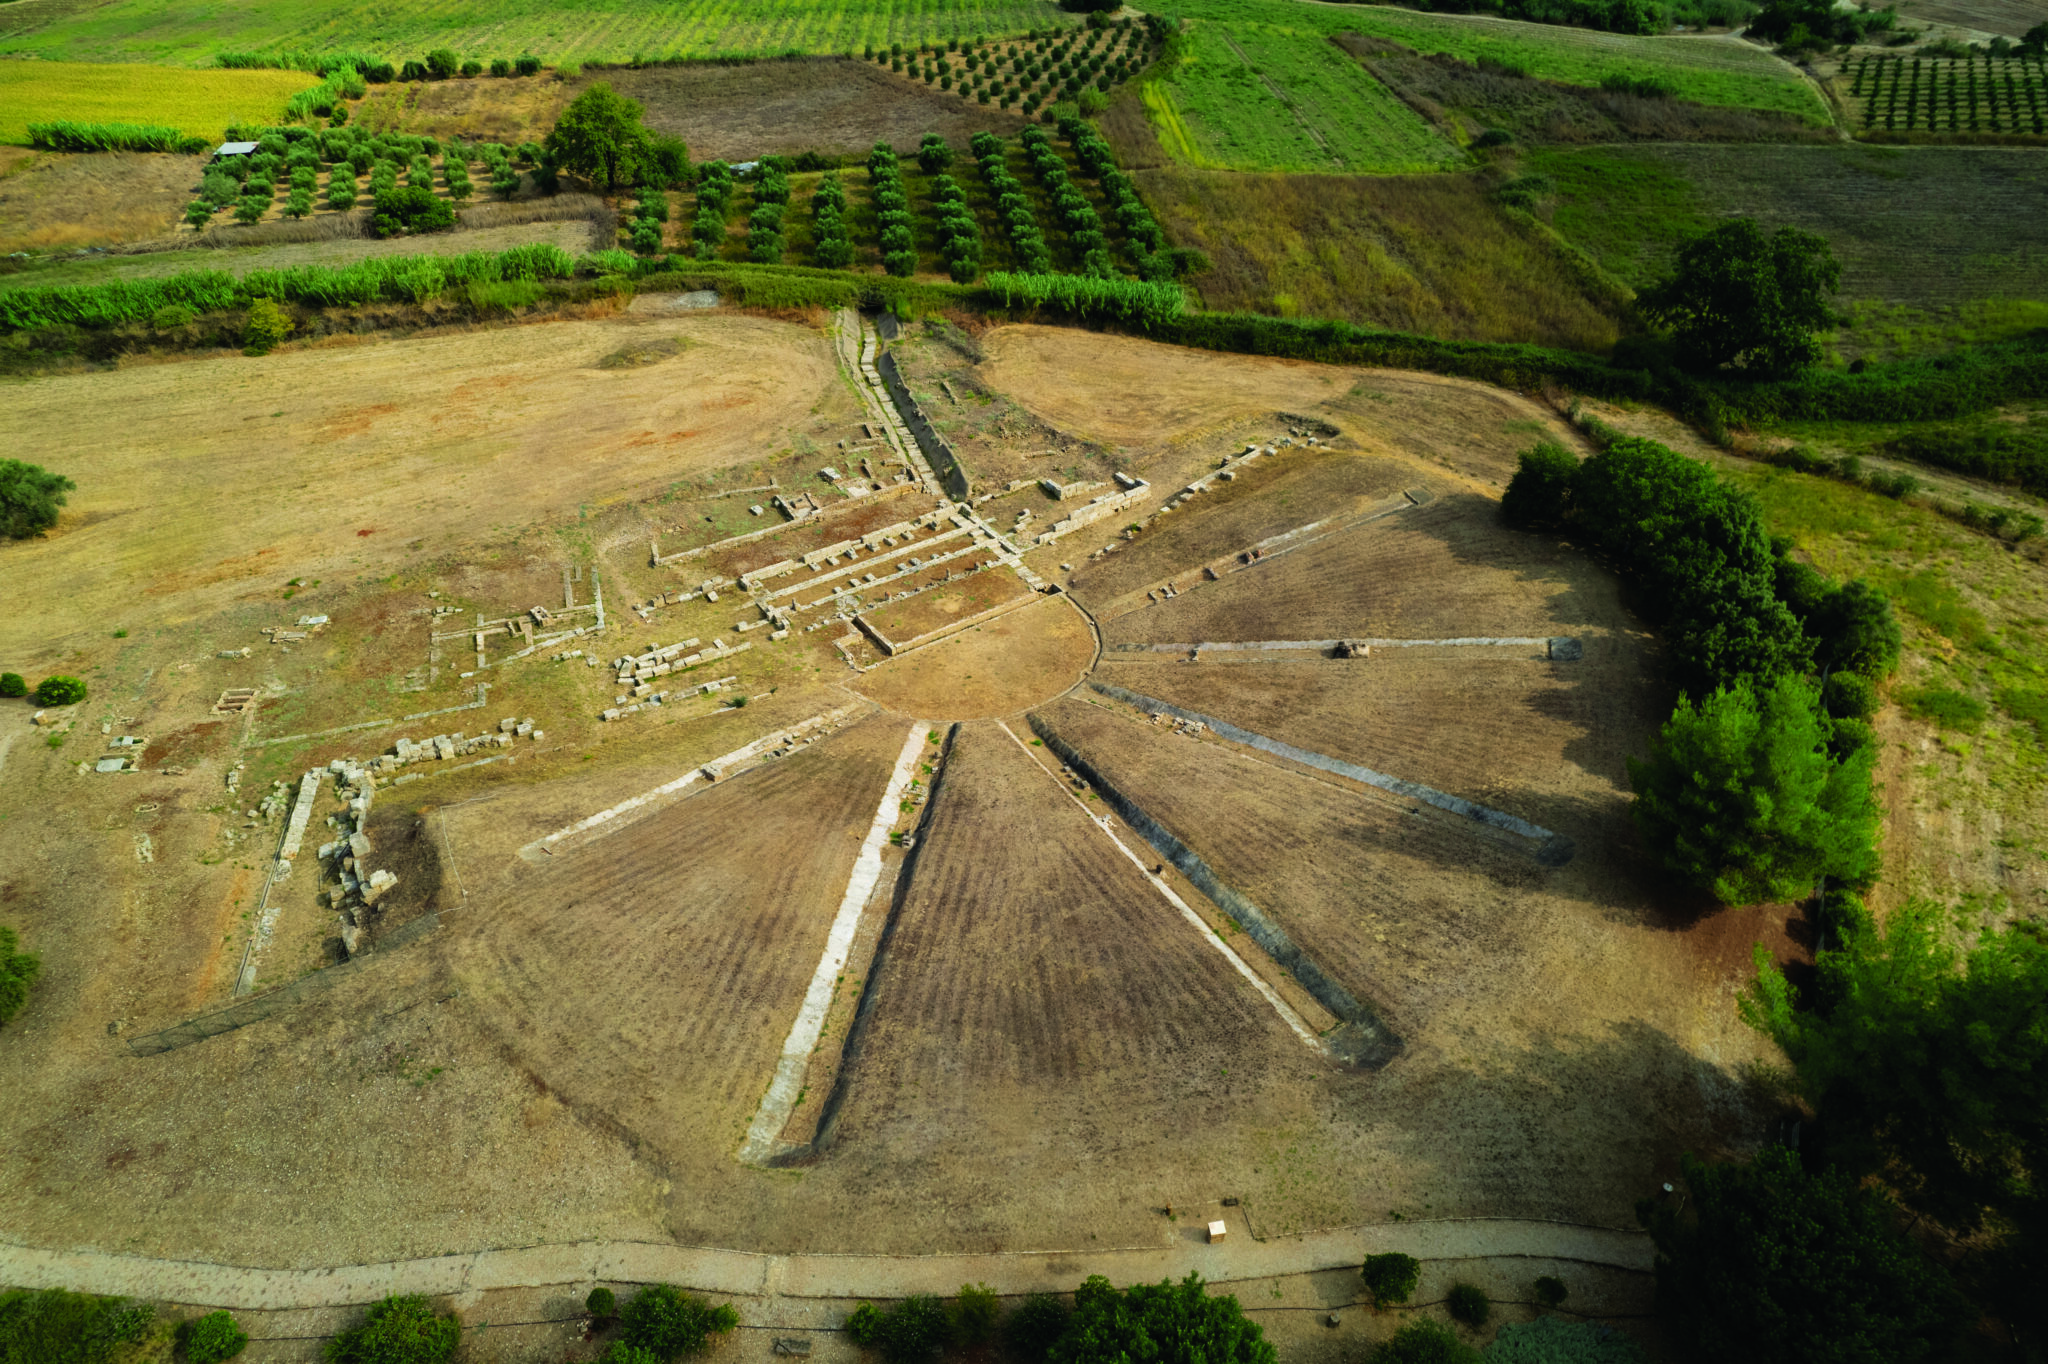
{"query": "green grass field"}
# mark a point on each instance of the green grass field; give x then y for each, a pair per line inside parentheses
(170, 32)
(1255, 97)
(1710, 71)
(201, 103)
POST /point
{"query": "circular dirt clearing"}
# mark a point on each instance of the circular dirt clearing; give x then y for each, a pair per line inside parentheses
(1009, 664)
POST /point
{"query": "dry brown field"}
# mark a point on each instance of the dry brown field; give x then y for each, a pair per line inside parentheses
(353, 459)
(827, 104)
(51, 201)
(1044, 1015)
(941, 605)
(1053, 1052)
(1000, 667)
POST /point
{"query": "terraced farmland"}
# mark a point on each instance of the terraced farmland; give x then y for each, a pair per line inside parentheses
(163, 31)
(1257, 97)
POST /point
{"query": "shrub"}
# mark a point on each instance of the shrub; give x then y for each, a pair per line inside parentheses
(1390, 1279)
(13, 685)
(29, 498)
(1551, 1340)
(1849, 696)
(1771, 1264)
(601, 1303)
(975, 1312)
(1170, 1323)
(1946, 707)
(398, 1330)
(54, 1326)
(251, 208)
(622, 1353)
(1467, 1302)
(1540, 493)
(527, 65)
(472, 68)
(864, 1325)
(267, 325)
(18, 971)
(914, 1330)
(1549, 1291)
(412, 209)
(501, 66)
(1424, 1342)
(212, 1338)
(412, 71)
(669, 1322)
(1036, 1323)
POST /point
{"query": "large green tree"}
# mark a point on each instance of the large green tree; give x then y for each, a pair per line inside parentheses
(1162, 1323)
(1768, 1264)
(1925, 1054)
(1740, 298)
(1741, 796)
(599, 137)
(29, 498)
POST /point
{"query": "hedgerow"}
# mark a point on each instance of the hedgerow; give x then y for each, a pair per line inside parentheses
(66, 136)
(1116, 297)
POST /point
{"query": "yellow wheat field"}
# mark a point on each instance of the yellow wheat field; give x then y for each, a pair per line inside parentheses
(201, 103)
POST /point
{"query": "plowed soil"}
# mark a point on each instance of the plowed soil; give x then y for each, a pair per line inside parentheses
(754, 109)
(1443, 570)
(1550, 1017)
(1054, 1046)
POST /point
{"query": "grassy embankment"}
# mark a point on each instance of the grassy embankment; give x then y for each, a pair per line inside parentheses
(610, 30)
(1938, 249)
(200, 103)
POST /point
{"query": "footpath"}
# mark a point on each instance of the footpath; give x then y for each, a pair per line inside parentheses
(749, 1274)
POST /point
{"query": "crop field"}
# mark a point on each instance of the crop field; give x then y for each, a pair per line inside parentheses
(1980, 94)
(200, 103)
(1929, 230)
(1251, 96)
(607, 30)
(1709, 70)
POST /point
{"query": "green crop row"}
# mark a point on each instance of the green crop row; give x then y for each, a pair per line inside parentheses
(409, 279)
(66, 136)
(1087, 296)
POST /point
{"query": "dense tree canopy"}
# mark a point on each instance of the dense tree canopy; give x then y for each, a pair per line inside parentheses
(29, 498)
(1926, 1056)
(1741, 796)
(1770, 1265)
(1739, 298)
(1162, 1323)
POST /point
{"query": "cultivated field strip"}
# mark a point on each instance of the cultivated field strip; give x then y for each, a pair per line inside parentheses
(1545, 741)
(1379, 898)
(785, 1089)
(1446, 570)
(1031, 966)
(1550, 848)
(653, 980)
(1237, 963)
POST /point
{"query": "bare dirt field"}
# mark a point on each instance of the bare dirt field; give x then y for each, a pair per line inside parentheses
(49, 200)
(1045, 1016)
(753, 109)
(941, 606)
(1147, 396)
(252, 472)
(999, 668)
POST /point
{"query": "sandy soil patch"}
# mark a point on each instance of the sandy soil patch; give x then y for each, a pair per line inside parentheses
(1007, 665)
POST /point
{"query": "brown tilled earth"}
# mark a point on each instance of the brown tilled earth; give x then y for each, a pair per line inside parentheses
(1053, 1053)
(833, 105)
